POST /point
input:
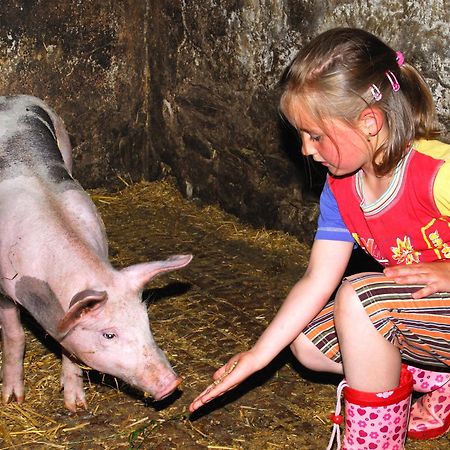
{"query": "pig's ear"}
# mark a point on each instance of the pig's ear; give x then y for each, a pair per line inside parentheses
(81, 304)
(141, 274)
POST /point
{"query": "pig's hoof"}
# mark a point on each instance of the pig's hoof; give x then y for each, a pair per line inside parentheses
(74, 400)
(75, 405)
(12, 398)
(12, 393)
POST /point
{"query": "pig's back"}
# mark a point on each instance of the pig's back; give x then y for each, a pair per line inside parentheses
(39, 200)
(28, 143)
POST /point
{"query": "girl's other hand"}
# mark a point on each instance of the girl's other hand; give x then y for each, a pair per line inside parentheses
(434, 275)
(236, 370)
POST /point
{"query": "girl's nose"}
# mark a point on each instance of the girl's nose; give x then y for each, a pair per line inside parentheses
(307, 148)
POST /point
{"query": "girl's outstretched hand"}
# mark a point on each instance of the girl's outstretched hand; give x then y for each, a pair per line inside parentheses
(435, 276)
(236, 370)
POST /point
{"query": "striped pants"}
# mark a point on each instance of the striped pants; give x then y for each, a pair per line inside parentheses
(419, 328)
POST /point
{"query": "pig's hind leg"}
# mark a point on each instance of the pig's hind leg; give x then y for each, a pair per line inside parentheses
(13, 347)
(72, 383)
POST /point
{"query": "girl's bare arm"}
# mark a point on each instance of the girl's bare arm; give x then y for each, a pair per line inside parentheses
(309, 295)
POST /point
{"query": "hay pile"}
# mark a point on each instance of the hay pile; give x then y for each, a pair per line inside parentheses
(200, 316)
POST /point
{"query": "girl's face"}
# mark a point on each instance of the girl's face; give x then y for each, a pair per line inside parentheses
(341, 148)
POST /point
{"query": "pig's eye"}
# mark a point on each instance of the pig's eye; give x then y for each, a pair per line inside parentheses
(109, 335)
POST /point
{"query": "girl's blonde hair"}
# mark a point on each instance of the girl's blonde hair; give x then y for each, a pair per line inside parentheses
(332, 78)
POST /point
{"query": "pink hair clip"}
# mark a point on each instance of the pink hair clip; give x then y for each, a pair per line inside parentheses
(393, 80)
(400, 58)
(377, 95)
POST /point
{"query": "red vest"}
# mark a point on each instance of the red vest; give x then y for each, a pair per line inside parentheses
(404, 226)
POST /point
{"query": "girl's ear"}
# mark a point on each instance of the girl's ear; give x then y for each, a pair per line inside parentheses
(371, 121)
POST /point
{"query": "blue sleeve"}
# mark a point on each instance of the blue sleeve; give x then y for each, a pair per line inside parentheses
(331, 226)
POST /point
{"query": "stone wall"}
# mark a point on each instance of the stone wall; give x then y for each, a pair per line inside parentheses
(189, 89)
(88, 60)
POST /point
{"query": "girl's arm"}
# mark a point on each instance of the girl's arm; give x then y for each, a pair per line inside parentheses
(309, 295)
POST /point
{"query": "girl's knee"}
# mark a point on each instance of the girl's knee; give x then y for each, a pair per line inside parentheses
(297, 348)
(345, 302)
(311, 357)
(302, 349)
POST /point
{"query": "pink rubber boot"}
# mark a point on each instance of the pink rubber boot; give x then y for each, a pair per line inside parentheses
(374, 421)
(430, 414)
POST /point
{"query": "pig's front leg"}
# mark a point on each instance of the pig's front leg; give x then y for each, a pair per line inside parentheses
(13, 347)
(72, 383)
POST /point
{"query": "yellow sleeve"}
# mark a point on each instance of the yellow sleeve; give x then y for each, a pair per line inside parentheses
(441, 189)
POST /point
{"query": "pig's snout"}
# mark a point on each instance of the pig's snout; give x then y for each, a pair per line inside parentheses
(166, 390)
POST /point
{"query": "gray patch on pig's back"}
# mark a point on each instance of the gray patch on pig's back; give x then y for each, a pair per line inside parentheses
(28, 144)
(5, 102)
(38, 298)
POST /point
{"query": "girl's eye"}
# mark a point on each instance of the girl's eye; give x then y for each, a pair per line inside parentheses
(109, 335)
(315, 137)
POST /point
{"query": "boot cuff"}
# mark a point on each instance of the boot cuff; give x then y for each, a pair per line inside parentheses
(402, 391)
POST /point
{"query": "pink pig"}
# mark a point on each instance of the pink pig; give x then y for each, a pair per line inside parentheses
(54, 263)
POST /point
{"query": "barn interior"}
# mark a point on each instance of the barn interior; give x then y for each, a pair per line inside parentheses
(172, 111)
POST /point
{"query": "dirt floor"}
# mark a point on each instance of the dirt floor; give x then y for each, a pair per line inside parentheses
(200, 316)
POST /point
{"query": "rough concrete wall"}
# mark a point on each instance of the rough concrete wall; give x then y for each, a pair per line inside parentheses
(214, 93)
(87, 59)
(217, 106)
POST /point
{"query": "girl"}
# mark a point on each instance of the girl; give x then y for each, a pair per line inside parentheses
(368, 116)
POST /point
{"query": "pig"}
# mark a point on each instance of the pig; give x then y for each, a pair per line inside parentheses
(54, 263)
